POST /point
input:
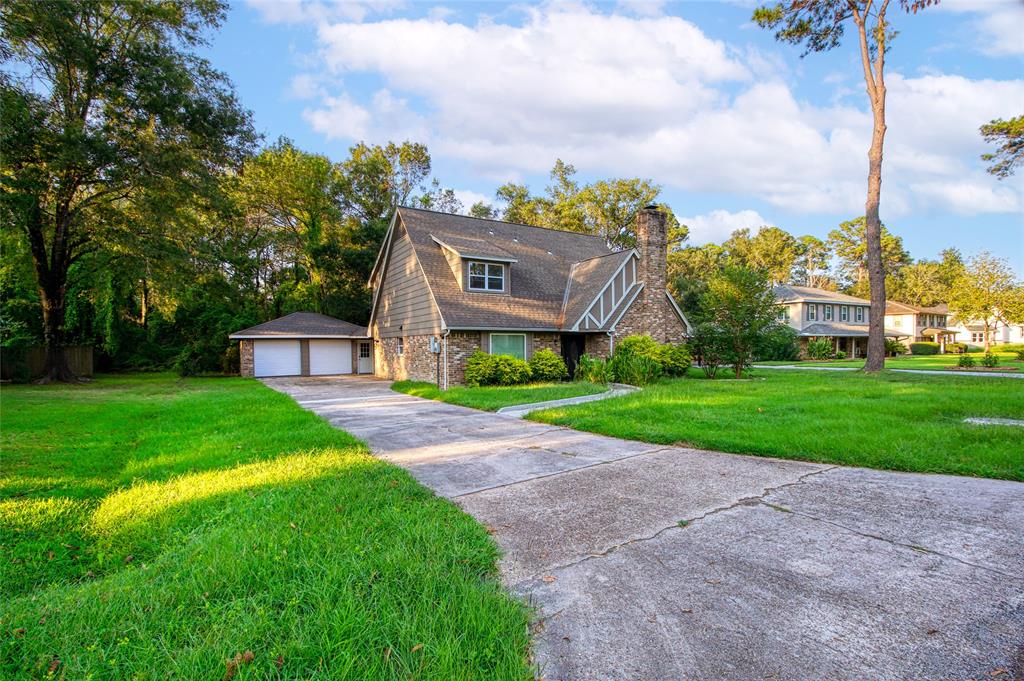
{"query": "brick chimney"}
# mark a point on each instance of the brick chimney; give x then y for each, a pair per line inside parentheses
(652, 244)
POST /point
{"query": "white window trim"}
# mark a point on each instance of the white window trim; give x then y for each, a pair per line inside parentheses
(401, 346)
(828, 313)
(860, 315)
(490, 341)
(844, 313)
(487, 276)
(812, 312)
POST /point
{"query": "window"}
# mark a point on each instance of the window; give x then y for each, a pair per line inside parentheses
(486, 277)
(509, 344)
(828, 313)
(784, 313)
(364, 350)
(897, 322)
(401, 347)
(812, 312)
(844, 313)
(860, 314)
(977, 336)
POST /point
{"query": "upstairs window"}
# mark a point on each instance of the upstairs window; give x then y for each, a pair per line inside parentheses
(844, 313)
(783, 313)
(812, 312)
(486, 277)
(860, 315)
(828, 313)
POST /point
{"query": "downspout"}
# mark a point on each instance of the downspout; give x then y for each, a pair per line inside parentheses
(611, 342)
(444, 352)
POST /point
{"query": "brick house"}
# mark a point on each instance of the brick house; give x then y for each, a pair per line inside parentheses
(447, 285)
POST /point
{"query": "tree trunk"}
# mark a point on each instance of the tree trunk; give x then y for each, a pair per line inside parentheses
(873, 236)
(53, 295)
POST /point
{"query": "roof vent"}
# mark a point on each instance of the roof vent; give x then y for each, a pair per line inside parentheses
(490, 232)
(550, 253)
(515, 239)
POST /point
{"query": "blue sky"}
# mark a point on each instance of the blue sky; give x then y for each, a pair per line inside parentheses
(737, 129)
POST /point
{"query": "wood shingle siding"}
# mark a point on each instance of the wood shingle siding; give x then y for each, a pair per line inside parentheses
(405, 307)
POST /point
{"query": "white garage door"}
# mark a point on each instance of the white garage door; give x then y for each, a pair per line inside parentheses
(328, 357)
(276, 358)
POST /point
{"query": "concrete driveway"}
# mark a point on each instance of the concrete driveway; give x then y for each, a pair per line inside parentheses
(649, 562)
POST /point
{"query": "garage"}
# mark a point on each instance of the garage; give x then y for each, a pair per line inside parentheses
(304, 344)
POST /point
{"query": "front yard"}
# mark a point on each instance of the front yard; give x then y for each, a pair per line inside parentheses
(206, 529)
(894, 421)
(1007, 360)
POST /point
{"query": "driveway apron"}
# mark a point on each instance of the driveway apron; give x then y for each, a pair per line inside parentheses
(650, 562)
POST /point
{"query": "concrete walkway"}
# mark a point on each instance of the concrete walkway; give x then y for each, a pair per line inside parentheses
(520, 410)
(931, 372)
(648, 562)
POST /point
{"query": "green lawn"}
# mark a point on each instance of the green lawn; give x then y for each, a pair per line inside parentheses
(157, 528)
(493, 398)
(1006, 360)
(893, 421)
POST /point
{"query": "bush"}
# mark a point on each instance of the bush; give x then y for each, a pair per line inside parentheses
(965, 361)
(1020, 355)
(592, 370)
(956, 348)
(819, 348)
(840, 354)
(778, 345)
(989, 360)
(642, 346)
(633, 369)
(924, 348)
(484, 369)
(709, 344)
(545, 365)
(893, 348)
(675, 359)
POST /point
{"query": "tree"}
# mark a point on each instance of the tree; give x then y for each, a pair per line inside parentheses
(740, 307)
(484, 210)
(987, 293)
(812, 263)
(108, 112)
(772, 250)
(1009, 135)
(688, 270)
(850, 245)
(928, 282)
(819, 25)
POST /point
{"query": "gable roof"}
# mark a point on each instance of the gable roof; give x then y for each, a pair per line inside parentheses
(841, 329)
(587, 279)
(892, 307)
(302, 325)
(786, 293)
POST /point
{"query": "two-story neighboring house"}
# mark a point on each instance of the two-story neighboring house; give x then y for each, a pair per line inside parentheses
(447, 285)
(916, 323)
(817, 313)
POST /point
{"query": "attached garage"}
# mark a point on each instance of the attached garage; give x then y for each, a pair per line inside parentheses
(304, 344)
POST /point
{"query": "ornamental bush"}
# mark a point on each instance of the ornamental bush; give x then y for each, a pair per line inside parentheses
(956, 348)
(675, 359)
(924, 348)
(989, 360)
(965, 361)
(840, 354)
(778, 344)
(893, 348)
(819, 348)
(484, 369)
(642, 346)
(633, 369)
(545, 365)
(479, 369)
(592, 370)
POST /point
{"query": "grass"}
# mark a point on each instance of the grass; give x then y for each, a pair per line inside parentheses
(210, 528)
(930, 362)
(492, 398)
(892, 421)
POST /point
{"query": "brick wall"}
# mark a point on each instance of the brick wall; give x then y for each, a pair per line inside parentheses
(548, 341)
(654, 317)
(246, 366)
(461, 344)
(417, 363)
(597, 344)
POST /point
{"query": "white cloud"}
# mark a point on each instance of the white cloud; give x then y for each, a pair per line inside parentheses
(718, 225)
(312, 11)
(468, 197)
(655, 97)
(999, 24)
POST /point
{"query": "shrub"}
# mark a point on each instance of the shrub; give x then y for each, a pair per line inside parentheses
(484, 369)
(894, 348)
(778, 345)
(965, 361)
(545, 365)
(924, 348)
(956, 348)
(643, 346)
(633, 369)
(819, 348)
(989, 360)
(675, 359)
(840, 354)
(1020, 355)
(592, 370)
(710, 345)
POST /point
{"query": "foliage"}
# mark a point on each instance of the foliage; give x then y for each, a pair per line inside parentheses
(484, 369)
(772, 251)
(741, 307)
(779, 344)
(840, 354)
(986, 292)
(545, 365)
(1009, 135)
(989, 360)
(593, 370)
(1020, 355)
(492, 398)
(675, 359)
(956, 348)
(197, 515)
(710, 347)
(633, 369)
(643, 346)
(924, 348)
(849, 243)
(811, 267)
(819, 348)
(965, 361)
(894, 348)
(927, 282)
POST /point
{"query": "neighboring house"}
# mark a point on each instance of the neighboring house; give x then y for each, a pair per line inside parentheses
(817, 313)
(446, 285)
(999, 333)
(304, 344)
(916, 323)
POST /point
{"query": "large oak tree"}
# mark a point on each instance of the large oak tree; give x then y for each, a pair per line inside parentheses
(108, 116)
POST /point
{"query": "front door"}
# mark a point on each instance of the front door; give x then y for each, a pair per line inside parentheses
(365, 360)
(573, 346)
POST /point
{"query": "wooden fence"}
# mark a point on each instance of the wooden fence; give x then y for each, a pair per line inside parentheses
(28, 363)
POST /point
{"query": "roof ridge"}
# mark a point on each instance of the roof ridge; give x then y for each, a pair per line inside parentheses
(501, 222)
(603, 255)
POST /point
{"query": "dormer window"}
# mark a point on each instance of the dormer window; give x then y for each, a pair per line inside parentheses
(485, 276)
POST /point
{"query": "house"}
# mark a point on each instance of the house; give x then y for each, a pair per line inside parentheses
(972, 332)
(304, 344)
(919, 323)
(817, 313)
(445, 286)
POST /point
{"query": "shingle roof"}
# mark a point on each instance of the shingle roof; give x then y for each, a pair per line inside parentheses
(538, 279)
(893, 307)
(787, 293)
(586, 279)
(303, 324)
(472, 247)
(840, 329)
